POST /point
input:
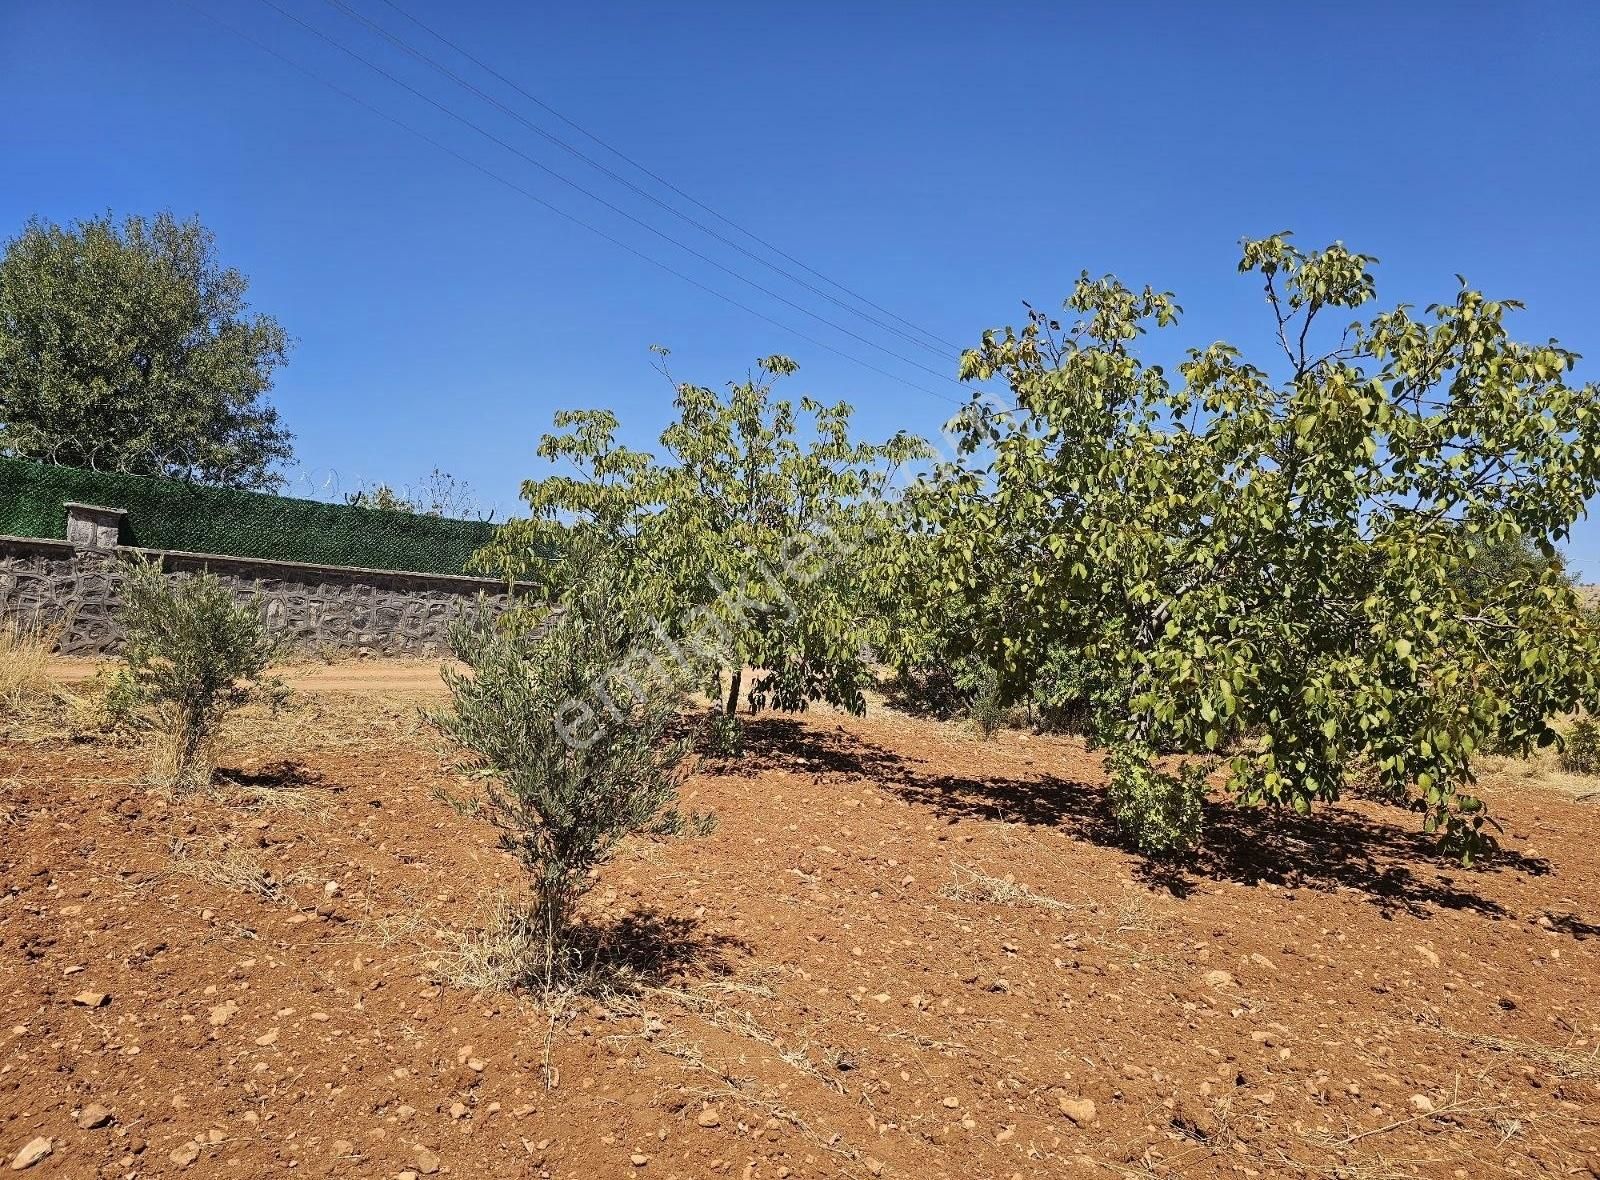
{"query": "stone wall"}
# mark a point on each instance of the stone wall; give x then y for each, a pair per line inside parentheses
(322, 609)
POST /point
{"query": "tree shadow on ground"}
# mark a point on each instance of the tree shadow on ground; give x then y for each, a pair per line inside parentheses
(1568, 923)
(1334, 848)
(274, 776)
(648, 948)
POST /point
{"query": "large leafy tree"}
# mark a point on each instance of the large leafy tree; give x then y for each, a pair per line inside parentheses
(129, 348)
(1281, 568)
(748, 536)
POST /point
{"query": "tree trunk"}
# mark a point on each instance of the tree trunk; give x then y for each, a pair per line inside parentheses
(733, 692)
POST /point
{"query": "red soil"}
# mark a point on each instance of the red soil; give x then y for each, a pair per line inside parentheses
(1322, 997)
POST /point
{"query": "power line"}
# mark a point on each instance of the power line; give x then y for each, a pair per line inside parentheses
(597, 198)
(577, 153)
(557, 210)
(667, 184)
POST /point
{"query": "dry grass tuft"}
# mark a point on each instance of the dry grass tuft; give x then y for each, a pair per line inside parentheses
(1562, 1063)
(974, 885)
(231, 868)
(25, 684)
(1541, 770)
(502, 954)
(25, 650)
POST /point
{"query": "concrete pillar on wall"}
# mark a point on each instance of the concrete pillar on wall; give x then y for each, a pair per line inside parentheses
(90, 526)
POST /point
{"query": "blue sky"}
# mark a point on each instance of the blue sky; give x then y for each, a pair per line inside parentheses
(947, 161)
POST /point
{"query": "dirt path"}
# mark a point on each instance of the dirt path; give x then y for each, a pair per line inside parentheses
(374, 678)
(903, 952)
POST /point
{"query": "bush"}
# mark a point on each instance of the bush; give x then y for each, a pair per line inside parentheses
(1159, 812)
(725, 734)
(988, 709)
(107, 707)
(573, 745)
(1580, 752)
(1069, 691)
(193, 655)
(933, 689)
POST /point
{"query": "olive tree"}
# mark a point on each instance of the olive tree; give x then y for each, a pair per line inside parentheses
(561, 796)
(192, 654)
(1274, 564)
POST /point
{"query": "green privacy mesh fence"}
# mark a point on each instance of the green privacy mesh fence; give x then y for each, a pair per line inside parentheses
(169, 514)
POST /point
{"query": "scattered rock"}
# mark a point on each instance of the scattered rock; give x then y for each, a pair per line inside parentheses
(427, 1161)
(185, 1155)
(1422, 1103)
(270, 1037)
(1217, 980)
(93, 1116)
(32, 1152)
(874, 1165)
(92, 999)
(1080, 1110)
(952, 1102)
(221, 1013)
(1427, 953)
(709, 1118)
(638, 1159)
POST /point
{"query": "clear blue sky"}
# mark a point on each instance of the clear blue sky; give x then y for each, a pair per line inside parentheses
(946, 160)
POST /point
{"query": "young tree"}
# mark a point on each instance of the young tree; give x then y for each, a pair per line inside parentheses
(128, 348)
(1280, 571)
(562, 798)
(747, 539)
(193, 655)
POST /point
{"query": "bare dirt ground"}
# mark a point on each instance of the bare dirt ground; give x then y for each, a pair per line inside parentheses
(904, 952)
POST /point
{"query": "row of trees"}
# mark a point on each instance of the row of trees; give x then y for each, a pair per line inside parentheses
(1344, 568)
(1337, 563)
(1342, 563)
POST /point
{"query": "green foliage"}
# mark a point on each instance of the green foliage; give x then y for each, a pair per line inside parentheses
(1159, 810)
(987, 709)
(560, 790)
(1580, 747)
(935, 687)
(192, 655)
(724, 734)
(171, 514)
(1279, 568)
(128, 348)
(1069, 691)
(747, 540)
(1499, 560)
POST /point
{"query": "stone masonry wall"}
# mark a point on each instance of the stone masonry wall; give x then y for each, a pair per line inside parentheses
(321, 609)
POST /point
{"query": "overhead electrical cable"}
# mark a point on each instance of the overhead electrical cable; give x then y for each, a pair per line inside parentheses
(557, 210)
(404, 46)
(944, 345)
(597, 198)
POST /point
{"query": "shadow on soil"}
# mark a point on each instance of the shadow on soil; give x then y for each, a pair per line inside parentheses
(1335, 848)
(649, 948)
(275, 776)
